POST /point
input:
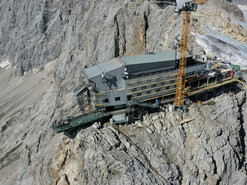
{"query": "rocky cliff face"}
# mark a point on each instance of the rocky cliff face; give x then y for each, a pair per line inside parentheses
(49, 42)
(208, 150)
(241, 2)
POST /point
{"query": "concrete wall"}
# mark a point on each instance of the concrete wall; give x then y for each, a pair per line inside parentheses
(112, 98)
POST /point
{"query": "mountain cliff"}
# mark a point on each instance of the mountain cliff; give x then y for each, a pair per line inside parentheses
(45, 44)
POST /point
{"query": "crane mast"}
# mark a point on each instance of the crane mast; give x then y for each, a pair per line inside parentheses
(181, 76)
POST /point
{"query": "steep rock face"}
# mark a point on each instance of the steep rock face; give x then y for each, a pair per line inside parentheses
(221, 32)
(89, 31)
(66, 36)
(242, 2)
(208, 150)
(222, 19)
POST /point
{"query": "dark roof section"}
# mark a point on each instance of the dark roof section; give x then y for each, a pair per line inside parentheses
(113, 70)
(138, 64)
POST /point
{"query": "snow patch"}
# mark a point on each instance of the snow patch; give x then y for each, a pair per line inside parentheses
(5, 64)
(243, 8)
(224, 47)
(243, 24)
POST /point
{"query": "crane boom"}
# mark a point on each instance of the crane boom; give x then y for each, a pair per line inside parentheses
(181, 76)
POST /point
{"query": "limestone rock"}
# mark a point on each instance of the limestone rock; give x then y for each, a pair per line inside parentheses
(48, 43)
(63, 180)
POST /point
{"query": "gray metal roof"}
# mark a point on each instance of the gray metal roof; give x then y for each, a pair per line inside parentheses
(98, 69)
(118, 62)
(151, 58)
(113, 80)
(114, 69)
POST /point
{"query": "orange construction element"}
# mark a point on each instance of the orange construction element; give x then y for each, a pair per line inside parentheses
(181, 76)
(200, 1)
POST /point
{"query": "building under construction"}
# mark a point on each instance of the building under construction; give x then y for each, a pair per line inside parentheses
(119, 87)
(139, 78)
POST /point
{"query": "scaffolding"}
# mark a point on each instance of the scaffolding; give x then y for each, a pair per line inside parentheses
(151, 87)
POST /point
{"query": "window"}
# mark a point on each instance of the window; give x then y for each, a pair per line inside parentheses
(117, 99)
(157, 90)
(163, 83)
(144, 87)
(148, 92)
(129, 97)
(133, 90)
(154, 85)
(167, 87)
(139, 94)
(106, 100)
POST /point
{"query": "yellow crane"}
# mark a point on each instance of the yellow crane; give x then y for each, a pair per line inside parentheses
(200, 1)
(187, 8)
